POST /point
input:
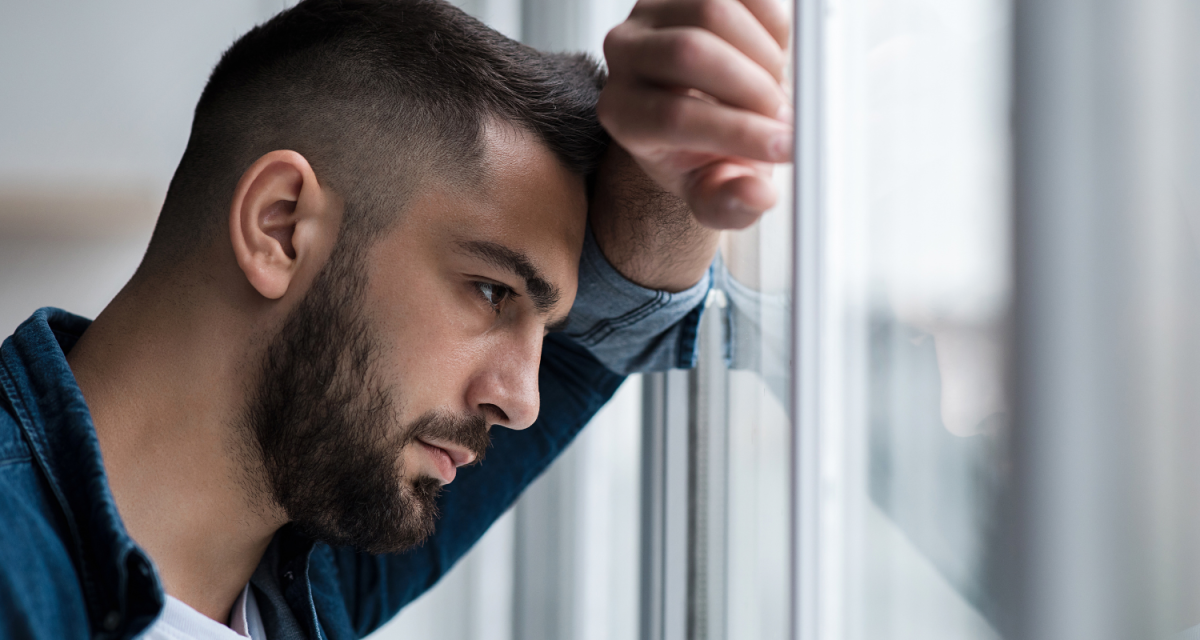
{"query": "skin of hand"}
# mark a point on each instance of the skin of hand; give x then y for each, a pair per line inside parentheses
(696, 96)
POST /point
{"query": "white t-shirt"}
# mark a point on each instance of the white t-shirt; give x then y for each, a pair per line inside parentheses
(181, 622)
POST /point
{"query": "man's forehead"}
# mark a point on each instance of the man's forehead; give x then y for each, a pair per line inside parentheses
(502, 141)
(525, 193)
(506, 146)
(525, 214)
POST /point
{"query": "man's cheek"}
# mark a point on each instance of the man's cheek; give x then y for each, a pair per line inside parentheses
(424, 383)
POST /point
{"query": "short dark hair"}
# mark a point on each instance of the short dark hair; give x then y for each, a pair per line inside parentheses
(376, 94)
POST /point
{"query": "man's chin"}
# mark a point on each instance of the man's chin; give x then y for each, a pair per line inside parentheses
(391, 525)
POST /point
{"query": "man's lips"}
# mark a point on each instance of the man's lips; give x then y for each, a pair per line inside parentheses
(447, 457)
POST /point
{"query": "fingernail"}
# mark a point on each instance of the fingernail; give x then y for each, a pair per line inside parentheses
(781, 147)
(786, 113)
(738, 215)
(735, 206)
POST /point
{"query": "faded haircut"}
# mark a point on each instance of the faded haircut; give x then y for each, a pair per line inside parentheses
(376, 95)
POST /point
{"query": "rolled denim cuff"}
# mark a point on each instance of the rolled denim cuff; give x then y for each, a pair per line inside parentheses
(628, 327)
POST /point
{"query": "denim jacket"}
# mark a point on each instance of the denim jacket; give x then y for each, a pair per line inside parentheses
(68, 568)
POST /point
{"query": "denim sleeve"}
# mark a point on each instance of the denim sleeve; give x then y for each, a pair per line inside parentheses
(628, 327)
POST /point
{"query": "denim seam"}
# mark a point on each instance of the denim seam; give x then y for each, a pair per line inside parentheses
(660, 299)
(312, 604)
(16, 456)
(606, 327)
(16, 459)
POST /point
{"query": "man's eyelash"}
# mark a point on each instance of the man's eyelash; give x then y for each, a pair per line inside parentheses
(494, 294)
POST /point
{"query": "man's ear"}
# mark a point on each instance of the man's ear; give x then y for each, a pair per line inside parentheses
(278, 220)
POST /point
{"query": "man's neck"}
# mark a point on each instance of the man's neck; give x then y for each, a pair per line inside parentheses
(165, 391)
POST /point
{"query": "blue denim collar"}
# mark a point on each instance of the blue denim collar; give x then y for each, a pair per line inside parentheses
(120, 586)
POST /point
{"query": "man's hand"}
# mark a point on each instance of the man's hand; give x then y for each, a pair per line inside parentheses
(695, 95)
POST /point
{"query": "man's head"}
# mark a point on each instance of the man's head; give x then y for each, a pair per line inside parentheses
(377, 95)
(402, 191)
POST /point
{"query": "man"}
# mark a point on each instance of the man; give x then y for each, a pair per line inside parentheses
(362, 262)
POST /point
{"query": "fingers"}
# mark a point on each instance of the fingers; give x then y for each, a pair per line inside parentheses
(695, 93)
(730, 195)
(732, 21)
(698, 59)
(773, 16)
(646, 119)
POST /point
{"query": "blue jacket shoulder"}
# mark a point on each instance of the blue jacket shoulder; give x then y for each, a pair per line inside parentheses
(40, 594)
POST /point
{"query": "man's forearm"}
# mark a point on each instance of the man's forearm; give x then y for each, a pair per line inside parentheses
(648, 234)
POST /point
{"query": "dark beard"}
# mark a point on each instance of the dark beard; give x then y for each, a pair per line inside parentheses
(328, 439)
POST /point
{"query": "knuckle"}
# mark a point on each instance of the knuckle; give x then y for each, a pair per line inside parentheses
(608, 111)
(615, 41)
(671, 115)
(617, 47)
(675, 117)
(686, 50)
(627, 117)
(610, 45)
(711, 14)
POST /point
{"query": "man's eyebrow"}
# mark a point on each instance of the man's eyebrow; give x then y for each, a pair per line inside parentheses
(543, 294)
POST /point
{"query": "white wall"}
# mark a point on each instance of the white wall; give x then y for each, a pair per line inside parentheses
(95, 107)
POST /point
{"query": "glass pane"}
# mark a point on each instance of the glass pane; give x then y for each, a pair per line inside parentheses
(759, 324)
(738, 586)
(916, 280)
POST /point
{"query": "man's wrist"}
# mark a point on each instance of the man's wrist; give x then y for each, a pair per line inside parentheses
(647, 234)
(631, 328)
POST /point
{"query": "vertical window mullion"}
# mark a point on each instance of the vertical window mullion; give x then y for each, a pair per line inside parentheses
(806, 313)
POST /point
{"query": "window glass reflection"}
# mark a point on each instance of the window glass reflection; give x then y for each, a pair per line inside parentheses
(741, 436)
(917, 287)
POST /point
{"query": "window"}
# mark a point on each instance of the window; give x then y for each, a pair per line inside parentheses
(915, 296)
(847, 461)
(996, 426)
(717, 449)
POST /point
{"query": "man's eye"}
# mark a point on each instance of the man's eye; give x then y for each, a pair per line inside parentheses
(494, 294)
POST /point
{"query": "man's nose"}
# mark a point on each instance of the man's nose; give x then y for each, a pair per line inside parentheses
(505, 389)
